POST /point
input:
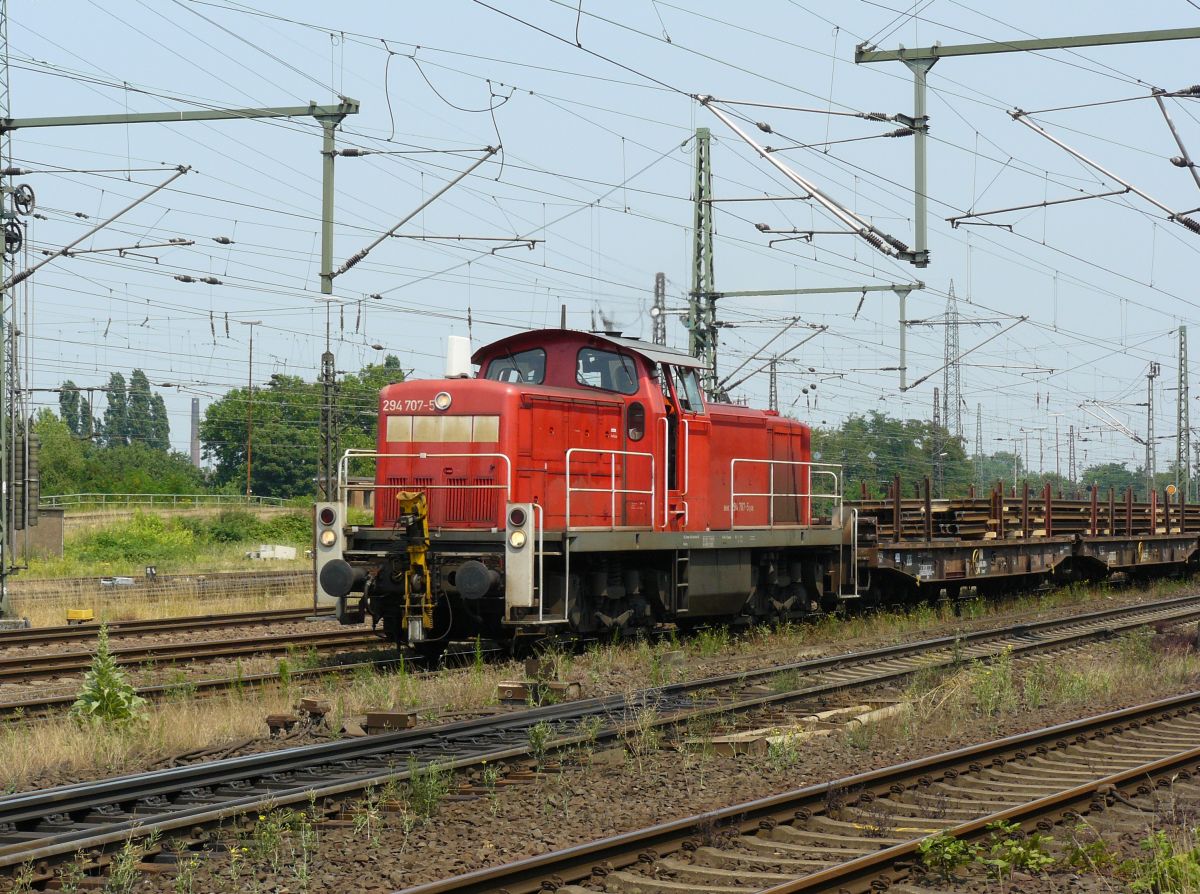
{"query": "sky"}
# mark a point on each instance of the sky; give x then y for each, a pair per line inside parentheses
(593, 108)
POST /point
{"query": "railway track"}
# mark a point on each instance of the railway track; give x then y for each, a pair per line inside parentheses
(48, 705)
(26, 588)
(26, 668)
(57, 822)
(39, 636)
(862, 833)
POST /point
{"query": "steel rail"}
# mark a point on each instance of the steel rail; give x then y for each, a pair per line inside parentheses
(46, 705)
(618, 851)
(31, 667)
(37, 636)
(59, 821)
(36, 586)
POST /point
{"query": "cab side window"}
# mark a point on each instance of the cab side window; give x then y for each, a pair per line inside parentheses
(688, 387)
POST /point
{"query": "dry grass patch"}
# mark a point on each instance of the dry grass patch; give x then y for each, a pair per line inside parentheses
(48, 751)
(177, 599)
(982, 695)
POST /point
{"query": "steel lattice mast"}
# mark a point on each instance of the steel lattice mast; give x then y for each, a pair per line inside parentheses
(702, 303)
(1183, 438)
(952, 372)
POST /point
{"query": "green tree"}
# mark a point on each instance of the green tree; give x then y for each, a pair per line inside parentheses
(70, 465)
(61, 455)
(138, 426)
(68, 406)
(160, 426)
(116, 414)
(1116, 476)
(1005, 466)
(875, 447)
(286, 434)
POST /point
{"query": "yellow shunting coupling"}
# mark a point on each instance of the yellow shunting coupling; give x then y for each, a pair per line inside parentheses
(418, 602)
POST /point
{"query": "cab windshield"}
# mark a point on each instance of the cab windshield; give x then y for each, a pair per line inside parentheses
(527, 367)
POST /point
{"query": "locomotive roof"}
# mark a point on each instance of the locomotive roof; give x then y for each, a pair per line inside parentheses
(649, 350)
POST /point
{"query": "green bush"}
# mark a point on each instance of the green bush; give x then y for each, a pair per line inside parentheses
(294, 527)
(143, 538)
(233, 526)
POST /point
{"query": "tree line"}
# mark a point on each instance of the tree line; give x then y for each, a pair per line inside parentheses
(127, 447)
(133, 414)
(873, 448)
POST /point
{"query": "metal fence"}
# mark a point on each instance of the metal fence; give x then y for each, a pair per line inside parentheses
(183, 501)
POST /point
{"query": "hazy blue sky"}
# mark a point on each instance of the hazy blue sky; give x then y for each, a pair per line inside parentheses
(594, 162)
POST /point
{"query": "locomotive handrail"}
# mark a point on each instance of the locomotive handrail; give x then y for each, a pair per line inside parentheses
(685, 488)
(539, 522)
(826, 469)
(687, 459)
(363, 453)
(854, 592)
(612, 490)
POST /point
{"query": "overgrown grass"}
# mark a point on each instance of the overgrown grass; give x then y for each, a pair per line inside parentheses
(179, 544)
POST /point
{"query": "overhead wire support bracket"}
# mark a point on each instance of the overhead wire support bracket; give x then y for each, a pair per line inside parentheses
(959, 219)
(818, 329)
(872, 235)
(1110, 420)
(1184, 160)
(993, 337)
(867, 53)
(345, 107)
(921, 59)
(362, 253)
(1177, 216)
(23, 275)
(124, 250)
(867, 116)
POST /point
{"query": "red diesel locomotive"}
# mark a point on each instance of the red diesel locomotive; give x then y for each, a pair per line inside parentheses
(579, 484)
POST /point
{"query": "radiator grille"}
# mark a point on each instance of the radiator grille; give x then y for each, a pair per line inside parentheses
(391, 508)
(455, 501)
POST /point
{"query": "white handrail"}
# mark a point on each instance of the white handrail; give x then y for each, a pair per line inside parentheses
(362, 453)
(666, 513)
(539, 520)
(825, 469)
(612, 490)
(687, 458)
(853, 553)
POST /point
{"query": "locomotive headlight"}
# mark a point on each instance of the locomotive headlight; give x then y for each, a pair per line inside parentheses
(442, 400)
(516, 539)
(328, 538)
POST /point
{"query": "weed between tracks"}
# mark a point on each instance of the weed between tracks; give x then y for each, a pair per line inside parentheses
(49, 752)
(982, 694)
(1159, 858)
